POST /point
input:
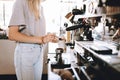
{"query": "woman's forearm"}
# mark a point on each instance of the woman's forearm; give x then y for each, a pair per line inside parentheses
(15, 35)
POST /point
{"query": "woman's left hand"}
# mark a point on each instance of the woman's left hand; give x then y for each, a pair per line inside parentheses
(54, 38)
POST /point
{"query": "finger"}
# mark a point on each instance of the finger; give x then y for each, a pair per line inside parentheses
(55, 39)
(48, 33)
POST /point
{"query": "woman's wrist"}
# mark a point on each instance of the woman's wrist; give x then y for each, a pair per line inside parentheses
(42, 39)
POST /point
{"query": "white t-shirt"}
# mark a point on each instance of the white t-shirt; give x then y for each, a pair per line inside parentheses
(22, 16)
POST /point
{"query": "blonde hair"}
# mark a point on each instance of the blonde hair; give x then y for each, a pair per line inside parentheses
(34, 7)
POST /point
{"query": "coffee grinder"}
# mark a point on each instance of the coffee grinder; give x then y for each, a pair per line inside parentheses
(59, 52)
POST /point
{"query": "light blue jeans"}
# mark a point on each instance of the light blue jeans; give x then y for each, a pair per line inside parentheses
(28, 60)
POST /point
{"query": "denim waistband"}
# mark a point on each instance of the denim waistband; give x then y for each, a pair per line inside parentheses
(29, 44)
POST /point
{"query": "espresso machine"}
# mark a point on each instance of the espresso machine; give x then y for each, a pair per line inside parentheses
(85, 32)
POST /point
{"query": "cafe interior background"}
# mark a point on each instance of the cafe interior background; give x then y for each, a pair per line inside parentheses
(80, 22)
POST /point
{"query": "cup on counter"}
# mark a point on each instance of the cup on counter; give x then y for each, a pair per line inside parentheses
(61, 44)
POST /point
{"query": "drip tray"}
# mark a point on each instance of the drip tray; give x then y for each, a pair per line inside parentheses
(60, 66)
(101, 49)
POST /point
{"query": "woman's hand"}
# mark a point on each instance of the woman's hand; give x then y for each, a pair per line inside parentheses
(55, 40)
(51, 37)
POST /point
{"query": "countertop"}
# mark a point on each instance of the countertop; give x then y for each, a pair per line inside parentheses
(112, 61)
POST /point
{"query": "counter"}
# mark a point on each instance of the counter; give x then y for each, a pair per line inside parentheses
(70, 65)
(7, 48)
(7, 56)
(108, 64)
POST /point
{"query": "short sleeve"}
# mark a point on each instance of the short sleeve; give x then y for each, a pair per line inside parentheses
(18, 17)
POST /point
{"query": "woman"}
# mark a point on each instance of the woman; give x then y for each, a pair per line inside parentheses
(27, 28)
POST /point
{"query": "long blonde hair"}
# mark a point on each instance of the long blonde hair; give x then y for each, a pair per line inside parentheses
(34, 7)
